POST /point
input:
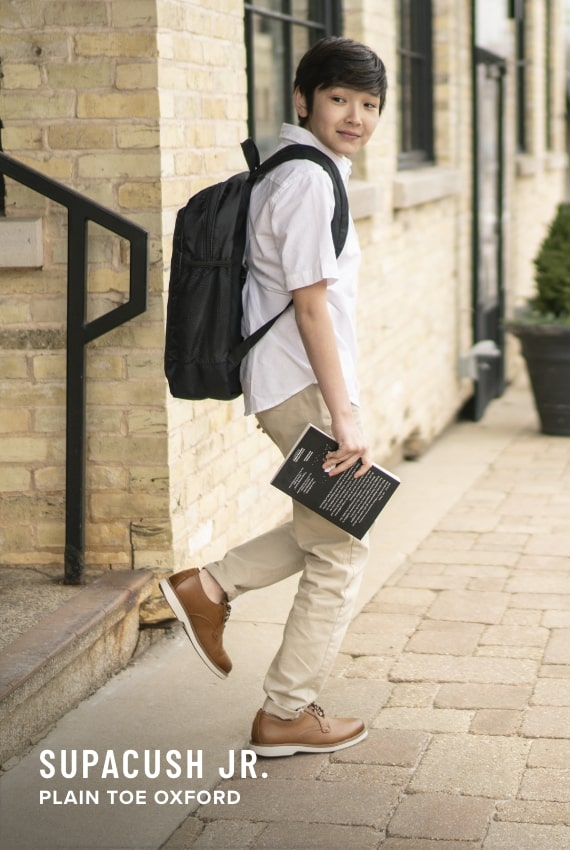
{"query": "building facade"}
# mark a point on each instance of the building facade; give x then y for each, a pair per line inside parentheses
(140, 103)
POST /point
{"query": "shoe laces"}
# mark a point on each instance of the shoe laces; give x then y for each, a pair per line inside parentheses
(227, 613)
(317, 709)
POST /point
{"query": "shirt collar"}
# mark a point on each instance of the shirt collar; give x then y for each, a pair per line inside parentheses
(292, 134)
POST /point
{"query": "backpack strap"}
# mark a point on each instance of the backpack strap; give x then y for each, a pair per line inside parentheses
(339, 223)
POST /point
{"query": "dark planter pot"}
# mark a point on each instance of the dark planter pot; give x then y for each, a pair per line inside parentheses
(546, 350)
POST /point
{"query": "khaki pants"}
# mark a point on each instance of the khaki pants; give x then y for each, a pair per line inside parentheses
(329, 560)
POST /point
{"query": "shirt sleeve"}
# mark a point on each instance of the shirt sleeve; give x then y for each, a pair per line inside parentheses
(301, 215)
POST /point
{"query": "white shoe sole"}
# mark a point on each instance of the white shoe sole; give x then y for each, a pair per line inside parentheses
(181, 615)
(277, 750)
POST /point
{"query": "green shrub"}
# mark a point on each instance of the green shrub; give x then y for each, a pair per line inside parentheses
(553, 268)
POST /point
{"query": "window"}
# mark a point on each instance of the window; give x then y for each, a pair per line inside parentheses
(415, 83)
(277, 34)
(518, 13)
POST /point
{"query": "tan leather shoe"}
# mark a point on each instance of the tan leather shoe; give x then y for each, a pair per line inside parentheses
(204, 621)
(310, 732)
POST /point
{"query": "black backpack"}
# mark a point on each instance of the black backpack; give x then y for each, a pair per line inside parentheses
(204, 344)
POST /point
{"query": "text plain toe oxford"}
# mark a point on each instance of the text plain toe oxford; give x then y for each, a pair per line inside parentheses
(203, 620)
(310, 732)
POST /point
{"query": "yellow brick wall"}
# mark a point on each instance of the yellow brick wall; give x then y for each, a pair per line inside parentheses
(138, 105)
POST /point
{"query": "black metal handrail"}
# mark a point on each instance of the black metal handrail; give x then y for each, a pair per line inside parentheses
(80, 211)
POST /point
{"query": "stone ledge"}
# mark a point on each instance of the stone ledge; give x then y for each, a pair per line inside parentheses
(67, 655)
(21, 243)
(365, 198)
(424, 185)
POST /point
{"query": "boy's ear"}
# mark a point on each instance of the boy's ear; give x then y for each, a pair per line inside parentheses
(300, 104)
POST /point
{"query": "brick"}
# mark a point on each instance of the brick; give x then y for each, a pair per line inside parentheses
(40, 105)
(76, 75)
(15, 478)
(549, 753)
(444, 638)
(483, 696)
(442, 817)
(469, 606)
(527, 836)
(115, 166)
(119, 44)
(141, 14)
(441, 668)
(137, 136)
(475, 765)
(558, 647)
(546, 784)
(80, 137)
(552, 692)
(345, 803)
(515, 636)
(21, 76)
(426, 719)
(525, 811)
(547, 722)
(496, 721)
(137, 75)
(133, 195)
(392, 747)
(117, 105)
(65, 14)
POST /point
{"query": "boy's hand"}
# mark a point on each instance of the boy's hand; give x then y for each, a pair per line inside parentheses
(352, 447)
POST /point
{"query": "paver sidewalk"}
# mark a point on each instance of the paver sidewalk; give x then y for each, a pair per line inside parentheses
(461, 666)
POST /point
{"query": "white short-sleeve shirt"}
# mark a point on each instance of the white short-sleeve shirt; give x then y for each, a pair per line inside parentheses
(290, 245)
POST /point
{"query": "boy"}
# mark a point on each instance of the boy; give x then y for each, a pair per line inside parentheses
(303, 370)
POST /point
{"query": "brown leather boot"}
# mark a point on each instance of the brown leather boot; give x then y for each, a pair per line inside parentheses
(310, 732)
(203, 620)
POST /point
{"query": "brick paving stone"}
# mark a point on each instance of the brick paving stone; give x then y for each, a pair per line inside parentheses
(469, 607)
(434, 581)
(539, 584)
(472, 764)
(520, 617)
(558, 647)
(470, 556)
(308, 767)
(542, 601)
(529, 652)
(483, 696)
(486, 584)
(426, 844)
(556, 620)
(495, 542)
(496, 721)
(367, 773)
(427, 719)
(515, 635)
(310, 836)
(352, 803)
(548, 544)
(442, 668)
(442, 817)
(543, 783)
(547, 722)
(552, 563)
(435, 640)
(477, 571)
(349, 697)
(400, 600)
(527, 836)
(465, 519)
(369, 667)
(531, 811)
(379, 643)
(555, 671)
(186, 834)
(549, 753)
(393, 747)
(552, 692)
(454, 540)
(414, 694)
(231, 835)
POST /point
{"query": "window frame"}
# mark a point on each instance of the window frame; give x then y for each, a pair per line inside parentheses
(326, 20)
(416, 110)
(518, 13)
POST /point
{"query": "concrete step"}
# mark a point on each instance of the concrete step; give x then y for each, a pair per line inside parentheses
(68, 654)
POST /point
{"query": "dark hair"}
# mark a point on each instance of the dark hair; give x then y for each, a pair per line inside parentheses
(336, 61)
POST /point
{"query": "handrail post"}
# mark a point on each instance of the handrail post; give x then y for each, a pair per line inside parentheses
(74, 555)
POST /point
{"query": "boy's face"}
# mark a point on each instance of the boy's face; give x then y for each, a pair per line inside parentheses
(342, 118)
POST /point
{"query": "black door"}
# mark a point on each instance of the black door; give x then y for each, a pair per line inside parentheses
(488, 191)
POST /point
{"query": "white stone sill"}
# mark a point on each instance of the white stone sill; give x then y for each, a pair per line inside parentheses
(424, 185)
(21, 243)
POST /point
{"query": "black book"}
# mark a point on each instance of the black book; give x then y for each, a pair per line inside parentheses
(351, 503)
